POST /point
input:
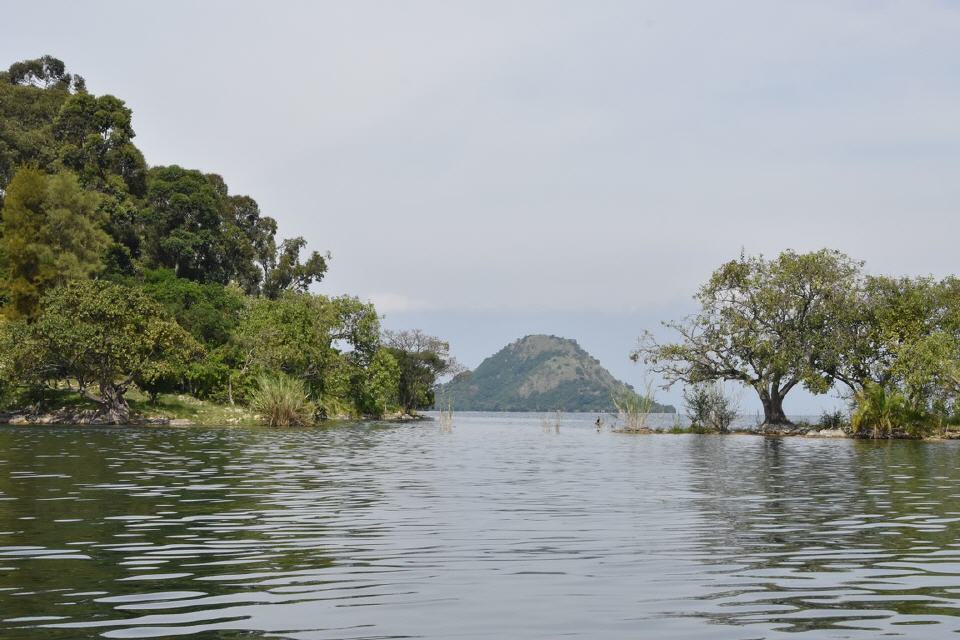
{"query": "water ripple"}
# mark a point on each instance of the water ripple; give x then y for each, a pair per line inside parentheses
(494, 529)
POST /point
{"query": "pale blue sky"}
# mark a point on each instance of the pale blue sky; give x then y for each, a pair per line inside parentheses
(490, 169)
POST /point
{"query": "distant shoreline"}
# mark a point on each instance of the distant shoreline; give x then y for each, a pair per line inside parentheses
(88, 418)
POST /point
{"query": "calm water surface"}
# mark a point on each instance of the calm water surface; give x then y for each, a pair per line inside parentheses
(498, 528)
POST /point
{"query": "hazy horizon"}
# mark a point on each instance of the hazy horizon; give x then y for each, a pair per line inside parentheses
(490, 170)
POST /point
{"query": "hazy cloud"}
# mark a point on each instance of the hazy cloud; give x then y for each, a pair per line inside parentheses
(546, 157)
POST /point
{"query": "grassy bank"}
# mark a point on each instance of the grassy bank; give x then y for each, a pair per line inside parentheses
(187, 410)
(58, 406)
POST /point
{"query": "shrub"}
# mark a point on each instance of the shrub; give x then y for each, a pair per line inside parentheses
(709, 408)
(282, 401)
(879, 410)
(833, 419)
(698, 401)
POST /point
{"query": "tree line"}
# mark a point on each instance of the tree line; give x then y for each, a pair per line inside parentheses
(117, 275)
(890, 345)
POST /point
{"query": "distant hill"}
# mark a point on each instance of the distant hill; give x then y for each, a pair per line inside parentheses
(536, 373)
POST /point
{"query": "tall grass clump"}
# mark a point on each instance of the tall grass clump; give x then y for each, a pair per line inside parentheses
(282, 401)
(551, 422)
(446, 418)
(634, 408)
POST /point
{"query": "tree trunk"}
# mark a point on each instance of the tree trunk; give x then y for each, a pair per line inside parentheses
(115, 407)
(773, 415)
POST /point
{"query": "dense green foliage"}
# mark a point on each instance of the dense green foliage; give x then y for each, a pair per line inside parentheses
(209, 312)
(100, 335)
(879, 411)
(114, 273)
(31, 94)
(380, 389)
(52, 233)
(816, 320)
(537, 373)
(420, 359)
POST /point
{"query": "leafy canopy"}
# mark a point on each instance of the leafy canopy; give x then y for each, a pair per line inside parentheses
(322, 341)
(103, 336)
(52, 233)
(422, 359)
(764, 323)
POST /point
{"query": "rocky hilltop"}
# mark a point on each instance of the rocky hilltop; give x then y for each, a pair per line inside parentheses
(536, 373)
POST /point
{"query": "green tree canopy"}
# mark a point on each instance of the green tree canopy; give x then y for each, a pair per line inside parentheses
(27, 113)
(194, 227)
(377, 386)
(209, 312)
(902, 333)
(317, 339)
(52, 233)
(284, 271)
(184, 225)
(768, 324)
(889, 315)
(103, 336)
(422, 359)
(95, 134)
(45, 72)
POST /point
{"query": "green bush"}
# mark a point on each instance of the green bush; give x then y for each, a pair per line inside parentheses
(833, 419)
(375, 388)
(281, 401)
(879, 411)
(709, 408)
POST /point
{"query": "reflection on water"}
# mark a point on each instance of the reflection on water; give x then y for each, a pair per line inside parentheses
(492, 529)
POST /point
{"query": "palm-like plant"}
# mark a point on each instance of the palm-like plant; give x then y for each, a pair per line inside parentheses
(879, 409)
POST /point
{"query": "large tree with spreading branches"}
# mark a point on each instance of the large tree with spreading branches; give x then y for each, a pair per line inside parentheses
(767, 324)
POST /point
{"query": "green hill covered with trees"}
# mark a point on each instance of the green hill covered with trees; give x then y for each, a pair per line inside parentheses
(536, 373)
(117, 277)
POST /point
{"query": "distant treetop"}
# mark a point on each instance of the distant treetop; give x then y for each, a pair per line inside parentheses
(46, 72)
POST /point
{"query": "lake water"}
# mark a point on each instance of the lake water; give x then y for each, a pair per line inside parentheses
(501, 527)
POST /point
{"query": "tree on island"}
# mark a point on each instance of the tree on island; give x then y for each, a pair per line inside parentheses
(768, 324)
(104, 337)
(422, 359)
